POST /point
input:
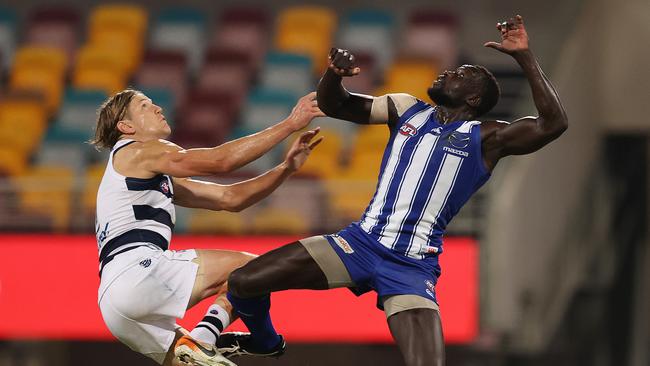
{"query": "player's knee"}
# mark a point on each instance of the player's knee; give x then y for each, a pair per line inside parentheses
(239, 283)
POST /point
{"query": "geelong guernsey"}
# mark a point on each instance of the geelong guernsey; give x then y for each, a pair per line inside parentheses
(428, 171)
(132, 210)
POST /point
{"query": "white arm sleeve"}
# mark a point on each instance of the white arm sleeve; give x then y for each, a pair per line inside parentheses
(379, 110)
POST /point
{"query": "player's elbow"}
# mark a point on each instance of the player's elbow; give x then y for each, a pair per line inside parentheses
(231, 201)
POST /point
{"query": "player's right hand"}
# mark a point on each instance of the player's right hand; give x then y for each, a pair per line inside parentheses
(301, 148)
(305, 110)
(342, 62)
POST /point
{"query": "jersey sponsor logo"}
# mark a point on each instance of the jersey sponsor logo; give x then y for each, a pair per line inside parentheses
(408, 129)
(437, 131)
(145, 263)
(430, 285)
(343, 244)
(455, 152)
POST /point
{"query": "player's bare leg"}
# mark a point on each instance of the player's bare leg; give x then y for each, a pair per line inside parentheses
(418, 334)
(288, 267)
(212, 274)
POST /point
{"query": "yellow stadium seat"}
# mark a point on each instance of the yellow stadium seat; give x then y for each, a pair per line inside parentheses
(47, 190)
(215, 222)
(309, 42)
(308, 16)
(12, 162)
(22, 124)
(42, 80)
(95, 56)
(363, 165)
(54, 60)
(93, 178)
(348, 197)
(106, 80)
(100, 68)
(411, 77)
(371, 138)
(324, 159)
(307, 30)
(279, 221)
(131, 17)
(121, 42)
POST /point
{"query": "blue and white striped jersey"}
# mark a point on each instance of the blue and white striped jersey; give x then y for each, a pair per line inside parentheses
(428, 171)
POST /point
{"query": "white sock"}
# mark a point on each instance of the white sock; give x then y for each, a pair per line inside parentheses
(213, 323)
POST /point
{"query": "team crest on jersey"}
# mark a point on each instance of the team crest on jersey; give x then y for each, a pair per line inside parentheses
(408, 129)
(164, 187)
(459, 140)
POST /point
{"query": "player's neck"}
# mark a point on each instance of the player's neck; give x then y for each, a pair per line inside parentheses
(447, 115)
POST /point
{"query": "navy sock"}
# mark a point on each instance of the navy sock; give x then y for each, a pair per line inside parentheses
(254, 312)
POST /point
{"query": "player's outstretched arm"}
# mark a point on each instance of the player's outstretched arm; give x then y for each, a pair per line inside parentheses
(168, 158)
(333, 98)
(238, 196)
(527, 134)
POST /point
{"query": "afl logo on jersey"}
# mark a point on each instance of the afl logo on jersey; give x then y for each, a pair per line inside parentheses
(407, 129)
(164, 187)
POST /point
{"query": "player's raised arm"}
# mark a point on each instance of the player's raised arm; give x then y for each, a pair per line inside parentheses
(527, 134)
(165, 157)
(238, 196)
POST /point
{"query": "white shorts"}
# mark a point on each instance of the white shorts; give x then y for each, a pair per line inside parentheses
(142, 293)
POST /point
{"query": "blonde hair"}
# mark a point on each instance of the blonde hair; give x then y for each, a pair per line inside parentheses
(113, 110)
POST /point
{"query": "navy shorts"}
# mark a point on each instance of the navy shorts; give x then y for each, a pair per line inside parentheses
(372, 266)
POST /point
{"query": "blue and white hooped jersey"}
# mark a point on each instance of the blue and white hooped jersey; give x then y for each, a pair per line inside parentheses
(428, 171)
(131, 210)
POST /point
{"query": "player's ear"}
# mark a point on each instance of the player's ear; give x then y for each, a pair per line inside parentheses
(473, 101)
(126, 127)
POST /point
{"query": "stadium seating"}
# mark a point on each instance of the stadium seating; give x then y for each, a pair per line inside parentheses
(216, 78)
(243, 29)
(287, 72)
(368, 32)
(76, 117)
(54, 26)
(181, 29)
(53, 199)
(7, 36)
(431, 35)
(164, 70)
(307, 30)
(40, 69)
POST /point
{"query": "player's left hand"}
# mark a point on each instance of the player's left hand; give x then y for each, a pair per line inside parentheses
(301, 148)
(513, 36)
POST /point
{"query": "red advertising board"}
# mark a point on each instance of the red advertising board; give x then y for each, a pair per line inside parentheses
(48, 290)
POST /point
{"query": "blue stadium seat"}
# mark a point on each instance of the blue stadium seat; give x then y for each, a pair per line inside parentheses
(369, 31)
(263, 108)
(182, 29)
(288, 72)
(77, 116)
(7, 37)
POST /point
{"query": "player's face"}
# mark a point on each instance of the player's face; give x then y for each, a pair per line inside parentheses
(452, 88)
(147, 117)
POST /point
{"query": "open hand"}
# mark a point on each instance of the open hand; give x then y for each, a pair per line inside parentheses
(513, 36)
(301, 148)
(342, 62)
(304, 111)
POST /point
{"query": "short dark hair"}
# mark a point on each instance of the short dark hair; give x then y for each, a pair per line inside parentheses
(490, 91)
(113, 110)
